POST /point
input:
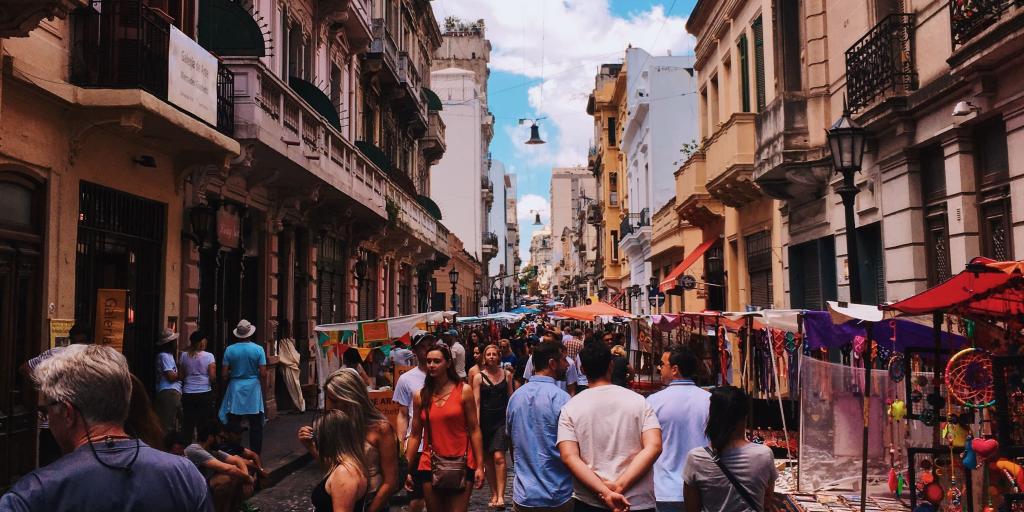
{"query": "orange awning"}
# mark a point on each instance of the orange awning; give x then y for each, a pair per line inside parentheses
(670, 282)
(589, 312)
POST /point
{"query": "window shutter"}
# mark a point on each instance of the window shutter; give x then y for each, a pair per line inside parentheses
(611, 132)
(759, 61)
(744, 72)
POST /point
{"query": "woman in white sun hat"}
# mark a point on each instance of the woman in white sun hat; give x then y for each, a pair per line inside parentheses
(168, 385)
(244, 369)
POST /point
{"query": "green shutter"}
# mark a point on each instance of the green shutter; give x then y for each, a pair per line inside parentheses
(759, 61)
(744, 72)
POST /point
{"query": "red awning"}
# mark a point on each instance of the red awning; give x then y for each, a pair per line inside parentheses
(988, 288)
(670, 282)
(591, 311)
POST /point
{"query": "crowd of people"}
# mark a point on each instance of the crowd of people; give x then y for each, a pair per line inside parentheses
(557, 403)
(104, 444)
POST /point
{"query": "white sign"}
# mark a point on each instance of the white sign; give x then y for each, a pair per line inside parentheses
(192, 77)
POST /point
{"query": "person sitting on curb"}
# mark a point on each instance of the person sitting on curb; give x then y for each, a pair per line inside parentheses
(227, 475)
(231, 444)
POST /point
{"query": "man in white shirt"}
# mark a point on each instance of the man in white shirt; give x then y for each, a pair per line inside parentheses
(682, 410)
(609, 455)
(458, 353)
(408, 385)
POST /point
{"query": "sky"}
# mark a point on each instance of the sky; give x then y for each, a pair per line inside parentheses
(544, 55)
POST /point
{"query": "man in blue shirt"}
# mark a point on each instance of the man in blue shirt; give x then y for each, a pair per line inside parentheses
(542, 483)
(84, 390)
(682, 410)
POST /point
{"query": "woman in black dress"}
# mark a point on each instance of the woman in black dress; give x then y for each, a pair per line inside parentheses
(492, 387)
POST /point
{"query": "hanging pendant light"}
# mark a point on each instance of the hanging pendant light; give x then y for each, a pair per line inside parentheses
(534, 131)
(536, 219)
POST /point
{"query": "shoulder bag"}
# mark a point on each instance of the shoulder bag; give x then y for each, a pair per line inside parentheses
(447, 473)
(751, 502)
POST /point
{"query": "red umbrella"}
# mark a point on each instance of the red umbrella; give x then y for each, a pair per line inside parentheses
(589, 312)
(986, 288)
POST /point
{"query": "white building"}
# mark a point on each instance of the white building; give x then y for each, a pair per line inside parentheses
(461, 184)
(540, 256)
(497, 221)
(662, 116)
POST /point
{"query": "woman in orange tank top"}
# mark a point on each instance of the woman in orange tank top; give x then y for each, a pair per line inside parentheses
(450, 407)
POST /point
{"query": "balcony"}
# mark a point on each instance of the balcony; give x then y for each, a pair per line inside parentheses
(19, 17)
(730, 161)
(487, 189)
(881, 63)
(787, 166)
(694, 204)
(292, 136)
(984, 34)
(383, 54)
(633, 223)
(126, 47)
(595, 213)
(352, 18)
(432, 144)
(411, 96)
(489, 245)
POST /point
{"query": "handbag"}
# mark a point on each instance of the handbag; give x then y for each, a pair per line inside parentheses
(735, 482)
(446, 473)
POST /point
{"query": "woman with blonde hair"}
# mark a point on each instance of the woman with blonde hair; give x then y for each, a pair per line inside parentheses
(492, 387)
(345, 390)
(340, 449)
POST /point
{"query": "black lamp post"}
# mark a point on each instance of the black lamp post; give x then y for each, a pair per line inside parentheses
(453, 278)
(201, 219)
(846, 142)
(476, 292)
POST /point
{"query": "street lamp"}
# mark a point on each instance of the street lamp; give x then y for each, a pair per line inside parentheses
(453, 278)
(846, 142)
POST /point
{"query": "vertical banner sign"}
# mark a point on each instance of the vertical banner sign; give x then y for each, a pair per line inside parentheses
(192, 77)
(111, 309)
(60, 332)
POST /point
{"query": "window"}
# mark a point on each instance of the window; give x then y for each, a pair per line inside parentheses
(758, 29)
(612, 141)
(613, 189)
(789, 30)
(713, 106)
(759, 268)
(872, 263)
(744, 56)
(812, 273)
(703, 112)
(936, 231)
(330, 280)
(615, 245)
(994, 190)
(714, 277)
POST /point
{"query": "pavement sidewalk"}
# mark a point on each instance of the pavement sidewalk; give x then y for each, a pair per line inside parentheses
(282, 453)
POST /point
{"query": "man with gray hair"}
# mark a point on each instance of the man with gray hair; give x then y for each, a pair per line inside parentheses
(85, 390)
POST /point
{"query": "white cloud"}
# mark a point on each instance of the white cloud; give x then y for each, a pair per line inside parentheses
(563, 42)
(528, 205)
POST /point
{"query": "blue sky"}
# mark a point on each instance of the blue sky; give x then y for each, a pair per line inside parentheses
(544, 57)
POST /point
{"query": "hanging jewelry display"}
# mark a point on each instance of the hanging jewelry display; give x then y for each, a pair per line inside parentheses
(969, 378)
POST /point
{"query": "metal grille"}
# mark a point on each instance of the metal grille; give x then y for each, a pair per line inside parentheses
(368, 289)
(225, 101)
(937, 248)
(120, 245)
(759, 267)
(744, 52)
(968, 18)
(882, 62)
(714, 276)
(330, 296)
(996, 229)
(405, 290)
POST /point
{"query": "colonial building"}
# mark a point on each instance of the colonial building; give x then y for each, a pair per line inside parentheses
(604, 162)
(463, 186)
(658, 99)
(734, 55)
(160, 158)
(541, 249)
(573, 190)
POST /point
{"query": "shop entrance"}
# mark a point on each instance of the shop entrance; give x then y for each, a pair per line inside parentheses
(120, 246)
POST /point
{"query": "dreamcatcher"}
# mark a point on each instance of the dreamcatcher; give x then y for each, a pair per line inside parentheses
(969, 378)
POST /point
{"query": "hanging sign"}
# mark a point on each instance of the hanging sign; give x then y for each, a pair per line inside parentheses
(111, 317)
(374, 331)
(191, 77)
(60, 332)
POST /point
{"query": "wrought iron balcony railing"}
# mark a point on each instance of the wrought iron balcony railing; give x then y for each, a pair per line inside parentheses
(124, 44)
(882, 62)
(968, 18)
(632, 222)
(489, 238)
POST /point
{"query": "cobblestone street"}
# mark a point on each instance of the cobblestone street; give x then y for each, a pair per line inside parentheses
(291, 494)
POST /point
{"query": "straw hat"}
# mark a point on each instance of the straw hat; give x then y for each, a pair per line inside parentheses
(166, 336)
(244, 329)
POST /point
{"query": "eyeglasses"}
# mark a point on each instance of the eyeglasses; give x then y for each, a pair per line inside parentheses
(44, 409)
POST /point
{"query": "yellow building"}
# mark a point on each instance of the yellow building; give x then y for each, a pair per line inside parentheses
(605, 103)
(733, 64)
